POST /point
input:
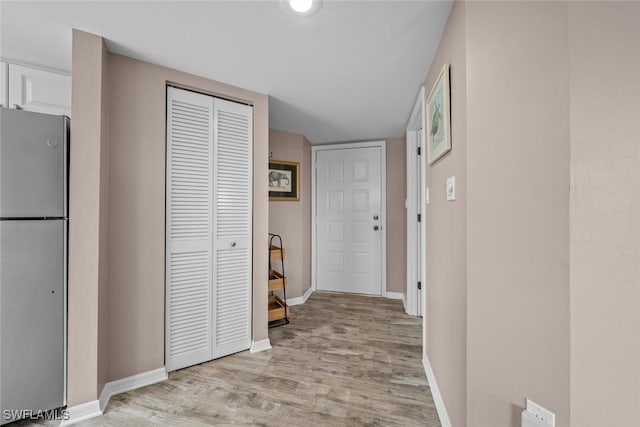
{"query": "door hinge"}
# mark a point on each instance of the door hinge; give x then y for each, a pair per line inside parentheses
(419, 151)
(419, 218)
(419, 285)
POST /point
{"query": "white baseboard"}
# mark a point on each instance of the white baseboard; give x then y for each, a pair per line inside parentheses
(82, 412)
(130, 383)
(300, 300)
(404, 302)
(96, 408)
(395, 295)
(262, 345)
(435, 392)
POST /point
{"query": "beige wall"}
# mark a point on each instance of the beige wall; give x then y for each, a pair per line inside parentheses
(605, 213)
(291, 219)
(396, 216)
(137, 200)
(116, 268)
(518, 210)
(87, 277)
(446, 232)
(552, 275)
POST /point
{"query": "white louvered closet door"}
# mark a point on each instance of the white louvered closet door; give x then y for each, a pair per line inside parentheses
(208, 234)
(189, 237)
(232, 170)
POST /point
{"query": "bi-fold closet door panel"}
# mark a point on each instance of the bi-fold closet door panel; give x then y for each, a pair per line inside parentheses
(232, 207)
(208, 228)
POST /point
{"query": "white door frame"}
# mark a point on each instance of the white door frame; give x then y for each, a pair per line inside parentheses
(416, 122)
(383, 208)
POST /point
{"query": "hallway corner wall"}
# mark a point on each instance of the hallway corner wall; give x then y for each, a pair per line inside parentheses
(292, 219)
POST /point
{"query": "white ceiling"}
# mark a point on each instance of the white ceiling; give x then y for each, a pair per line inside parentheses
(350, 72)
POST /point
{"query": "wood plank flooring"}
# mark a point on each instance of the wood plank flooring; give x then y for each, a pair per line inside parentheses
(344, 360)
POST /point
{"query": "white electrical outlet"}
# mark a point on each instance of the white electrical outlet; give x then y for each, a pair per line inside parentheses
(544, 416)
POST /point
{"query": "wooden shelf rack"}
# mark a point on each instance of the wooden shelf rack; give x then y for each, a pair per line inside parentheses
(278, 309)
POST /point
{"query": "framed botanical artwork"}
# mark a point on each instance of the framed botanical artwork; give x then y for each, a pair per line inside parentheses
(439, 117)
(284, 180)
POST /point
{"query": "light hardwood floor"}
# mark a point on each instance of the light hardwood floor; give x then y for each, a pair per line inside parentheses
(344, 360)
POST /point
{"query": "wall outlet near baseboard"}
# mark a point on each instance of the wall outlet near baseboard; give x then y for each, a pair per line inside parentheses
(534, 415)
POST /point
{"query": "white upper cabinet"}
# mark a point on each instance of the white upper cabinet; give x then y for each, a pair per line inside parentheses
(4, 93)
(38, 90)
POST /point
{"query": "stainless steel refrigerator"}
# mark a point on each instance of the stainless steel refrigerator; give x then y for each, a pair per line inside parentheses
(34, 151)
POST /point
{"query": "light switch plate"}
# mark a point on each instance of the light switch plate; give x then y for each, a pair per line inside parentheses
(451, 188)
(426, 196)
(541, 415)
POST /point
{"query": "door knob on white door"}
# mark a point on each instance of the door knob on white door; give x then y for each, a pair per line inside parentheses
(376, 228)
(233, 244)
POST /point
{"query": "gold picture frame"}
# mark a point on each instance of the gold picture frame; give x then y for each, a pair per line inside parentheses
(284, 181)
(439, 117)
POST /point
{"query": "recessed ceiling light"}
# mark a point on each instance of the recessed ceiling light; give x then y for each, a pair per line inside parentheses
(301, 7)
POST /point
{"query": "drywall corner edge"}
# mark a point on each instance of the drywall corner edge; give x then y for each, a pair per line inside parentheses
(258, 346)
(82, 412)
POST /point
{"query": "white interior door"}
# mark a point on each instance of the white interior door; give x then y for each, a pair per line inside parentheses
(349, 220)
(415, 203)
(208, 232)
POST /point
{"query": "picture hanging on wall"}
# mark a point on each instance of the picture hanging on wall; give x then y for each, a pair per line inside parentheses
(284, 181)
(439, 117)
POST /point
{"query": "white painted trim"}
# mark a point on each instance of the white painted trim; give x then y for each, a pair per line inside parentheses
(302, 299)
(395, 295)
(82, 412)
(435, 392)
(404, 301)
(414, 121)
(314, 175)
(383, 202)
(133, 382)
(258, 346)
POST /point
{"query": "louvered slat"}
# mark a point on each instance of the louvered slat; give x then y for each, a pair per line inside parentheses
(189, 229)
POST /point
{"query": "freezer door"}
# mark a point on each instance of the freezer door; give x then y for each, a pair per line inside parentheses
(33, 164)
(32, 315)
